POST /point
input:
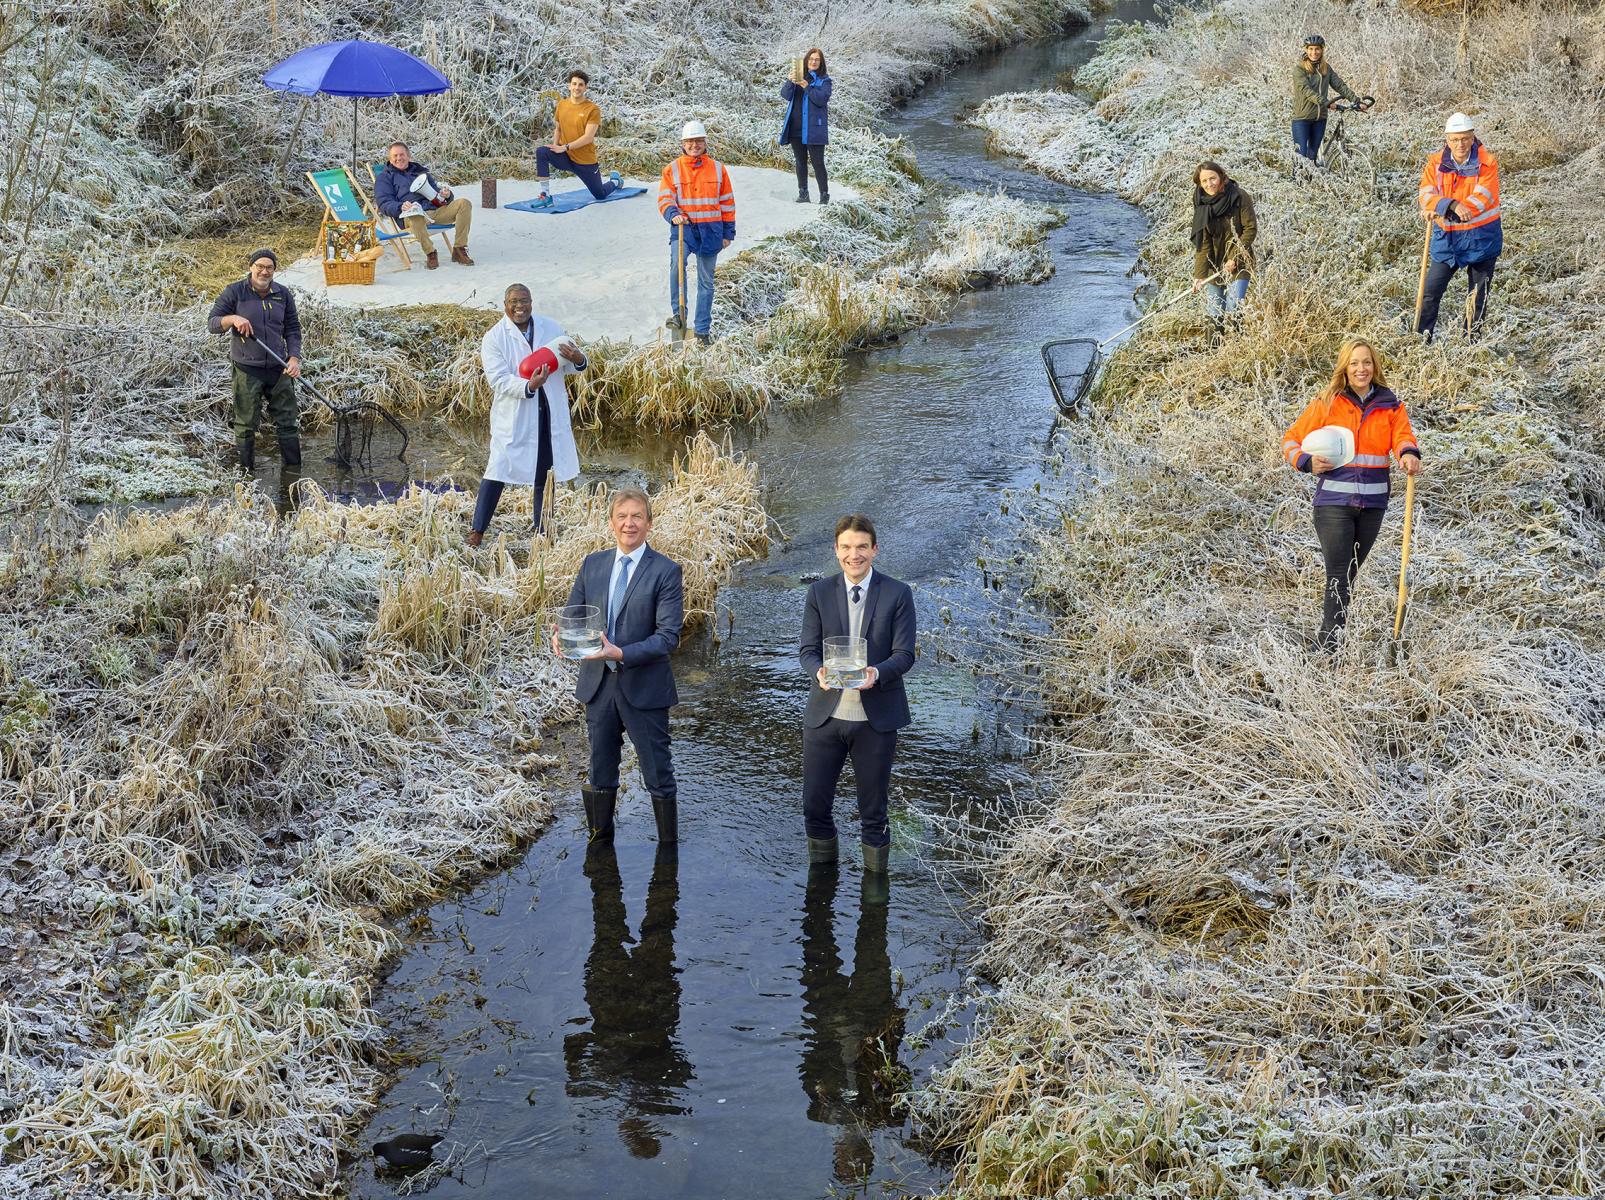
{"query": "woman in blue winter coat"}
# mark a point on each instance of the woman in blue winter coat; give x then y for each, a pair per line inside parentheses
(806, 128)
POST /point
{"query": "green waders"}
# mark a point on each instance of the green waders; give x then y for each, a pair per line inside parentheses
(251, 395)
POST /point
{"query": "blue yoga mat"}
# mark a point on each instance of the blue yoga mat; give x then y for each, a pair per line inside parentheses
(563, 202)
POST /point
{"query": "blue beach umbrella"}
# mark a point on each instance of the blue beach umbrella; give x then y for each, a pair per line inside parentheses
(355, 68)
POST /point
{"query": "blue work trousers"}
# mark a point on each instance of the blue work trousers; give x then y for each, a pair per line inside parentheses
(1222, 298)
(588, 173)
(703, 264)
(1307, 137)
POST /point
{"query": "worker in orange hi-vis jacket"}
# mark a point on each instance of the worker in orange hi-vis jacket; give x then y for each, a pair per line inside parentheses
(1460, 195)
(695, 196)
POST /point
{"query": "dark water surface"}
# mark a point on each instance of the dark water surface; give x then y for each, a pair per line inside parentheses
(718, 1022)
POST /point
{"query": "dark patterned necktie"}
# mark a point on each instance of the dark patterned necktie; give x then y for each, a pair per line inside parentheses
(857, 591)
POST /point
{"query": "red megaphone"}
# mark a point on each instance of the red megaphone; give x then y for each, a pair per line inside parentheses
(542, 358)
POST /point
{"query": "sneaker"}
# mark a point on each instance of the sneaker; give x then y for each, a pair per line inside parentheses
(824, 197)
(541, 201)
(802, 196)
(615, 179)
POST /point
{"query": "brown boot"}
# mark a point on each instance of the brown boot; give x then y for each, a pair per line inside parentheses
(473, 539)
(434, 259)
(459, 254)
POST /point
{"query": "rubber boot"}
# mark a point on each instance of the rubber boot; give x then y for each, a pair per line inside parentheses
(599, 805)
(823, 850)
(876, 859)
(290, 451)
(874, 888)
(667, 813)
(247, 451)
(1217, 330)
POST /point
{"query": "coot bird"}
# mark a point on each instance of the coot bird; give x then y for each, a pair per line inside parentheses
(408, 1149)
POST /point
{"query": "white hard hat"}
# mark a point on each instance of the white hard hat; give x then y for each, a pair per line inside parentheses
(1332, 442)
(693, 129)
(1459, 123)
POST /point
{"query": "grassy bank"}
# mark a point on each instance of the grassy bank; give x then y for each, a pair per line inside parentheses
(231, 744)
(1291, 926)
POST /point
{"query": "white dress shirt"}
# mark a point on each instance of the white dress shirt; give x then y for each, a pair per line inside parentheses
(851, 705)
(619, 559)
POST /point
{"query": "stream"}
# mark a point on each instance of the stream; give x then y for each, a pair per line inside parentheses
(720, 1022)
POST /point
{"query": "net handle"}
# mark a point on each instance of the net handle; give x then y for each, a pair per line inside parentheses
(1146, 315)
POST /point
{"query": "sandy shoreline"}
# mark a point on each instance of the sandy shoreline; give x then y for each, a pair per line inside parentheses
(601, 271)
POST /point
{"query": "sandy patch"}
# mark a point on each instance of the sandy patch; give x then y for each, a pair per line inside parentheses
(601, 271)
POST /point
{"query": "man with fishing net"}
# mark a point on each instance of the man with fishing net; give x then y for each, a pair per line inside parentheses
(696, 199)
(1312, 79)
(261, 316)
(1344, 438)
(1460, 197)
(525, 358)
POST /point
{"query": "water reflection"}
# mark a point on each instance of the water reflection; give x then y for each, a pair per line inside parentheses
(850, 1068)
(632, 1052)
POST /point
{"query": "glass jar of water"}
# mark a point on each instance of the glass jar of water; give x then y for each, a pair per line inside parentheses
(846, 662)
(579, 630)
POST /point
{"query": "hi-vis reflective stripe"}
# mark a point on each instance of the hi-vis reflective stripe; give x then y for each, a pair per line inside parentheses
(1370, 460)
(702, 209)
(1288, 449)
(1482, 219)
(1362, 489)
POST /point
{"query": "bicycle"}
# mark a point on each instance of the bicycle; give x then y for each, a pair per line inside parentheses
(1336, 149)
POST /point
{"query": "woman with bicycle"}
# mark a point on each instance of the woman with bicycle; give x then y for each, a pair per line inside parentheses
(1311, 80)
(1223, 243)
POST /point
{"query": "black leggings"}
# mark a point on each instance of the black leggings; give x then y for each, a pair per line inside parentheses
(802, 154)
(1347, 535)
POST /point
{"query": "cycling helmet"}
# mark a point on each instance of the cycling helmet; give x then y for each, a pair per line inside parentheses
(1314, 39)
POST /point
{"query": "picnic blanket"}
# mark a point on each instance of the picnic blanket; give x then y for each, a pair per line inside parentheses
(563, 202)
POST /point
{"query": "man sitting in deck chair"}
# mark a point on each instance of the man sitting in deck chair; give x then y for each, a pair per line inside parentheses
(407, 194)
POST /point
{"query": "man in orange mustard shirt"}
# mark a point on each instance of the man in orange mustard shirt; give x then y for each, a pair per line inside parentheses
(573, 147)
(695, 194)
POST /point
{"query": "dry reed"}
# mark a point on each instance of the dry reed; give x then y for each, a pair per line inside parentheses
(1290, 926)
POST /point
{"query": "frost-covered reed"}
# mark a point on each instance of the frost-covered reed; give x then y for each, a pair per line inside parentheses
(1285, 925)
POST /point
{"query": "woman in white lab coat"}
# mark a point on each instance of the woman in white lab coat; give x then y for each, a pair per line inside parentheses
(530, 433)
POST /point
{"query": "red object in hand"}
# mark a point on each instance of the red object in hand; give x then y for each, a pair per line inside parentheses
(542, 358)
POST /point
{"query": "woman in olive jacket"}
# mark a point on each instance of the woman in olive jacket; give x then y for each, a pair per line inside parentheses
(1223, 242)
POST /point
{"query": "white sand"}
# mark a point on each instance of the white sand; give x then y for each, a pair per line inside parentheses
(602, 271)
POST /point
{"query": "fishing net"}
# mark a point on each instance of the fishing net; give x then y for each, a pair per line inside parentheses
(367, 433)
(1072, 366)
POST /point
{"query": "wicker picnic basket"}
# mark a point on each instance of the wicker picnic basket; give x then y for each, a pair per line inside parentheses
(343, 242)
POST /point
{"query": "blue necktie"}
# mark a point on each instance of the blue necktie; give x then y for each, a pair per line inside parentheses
(619, 589)
(856, 590)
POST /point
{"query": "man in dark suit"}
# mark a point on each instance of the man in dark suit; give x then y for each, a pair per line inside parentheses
(861, 722)
(628, 685)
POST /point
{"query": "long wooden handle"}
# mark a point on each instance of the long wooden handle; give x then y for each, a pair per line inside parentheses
(682, 282)
(1421, 288)
(1404, 557)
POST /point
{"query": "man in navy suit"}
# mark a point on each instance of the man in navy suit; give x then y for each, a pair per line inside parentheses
(861, 722)
(627, 687)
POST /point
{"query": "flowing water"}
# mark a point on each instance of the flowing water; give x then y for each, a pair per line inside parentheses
(720, 1022)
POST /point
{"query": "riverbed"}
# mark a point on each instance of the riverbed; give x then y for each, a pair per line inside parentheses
(719, 1021)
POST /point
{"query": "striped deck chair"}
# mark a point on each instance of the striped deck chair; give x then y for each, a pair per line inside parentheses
(388, 228)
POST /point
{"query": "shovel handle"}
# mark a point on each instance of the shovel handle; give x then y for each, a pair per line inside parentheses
(1404, 556)
(1421, 286)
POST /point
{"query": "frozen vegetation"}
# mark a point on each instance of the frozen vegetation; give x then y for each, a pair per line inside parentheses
(1292, 927)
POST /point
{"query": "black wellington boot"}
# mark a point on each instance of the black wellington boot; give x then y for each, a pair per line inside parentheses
(599, 805)
(247, 451)
(1217, 330)
(667, 812)
(290, 451)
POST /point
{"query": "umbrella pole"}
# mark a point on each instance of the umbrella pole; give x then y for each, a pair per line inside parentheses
(353, 139)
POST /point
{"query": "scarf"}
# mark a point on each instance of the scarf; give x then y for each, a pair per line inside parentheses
(1219, 207)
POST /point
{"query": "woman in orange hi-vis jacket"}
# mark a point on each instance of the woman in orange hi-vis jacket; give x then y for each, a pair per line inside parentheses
(1460, 195)
(1351, 493)
(695, 195)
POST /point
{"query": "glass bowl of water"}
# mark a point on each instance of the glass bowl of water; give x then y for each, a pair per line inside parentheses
(846, 662)
(579, 630)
